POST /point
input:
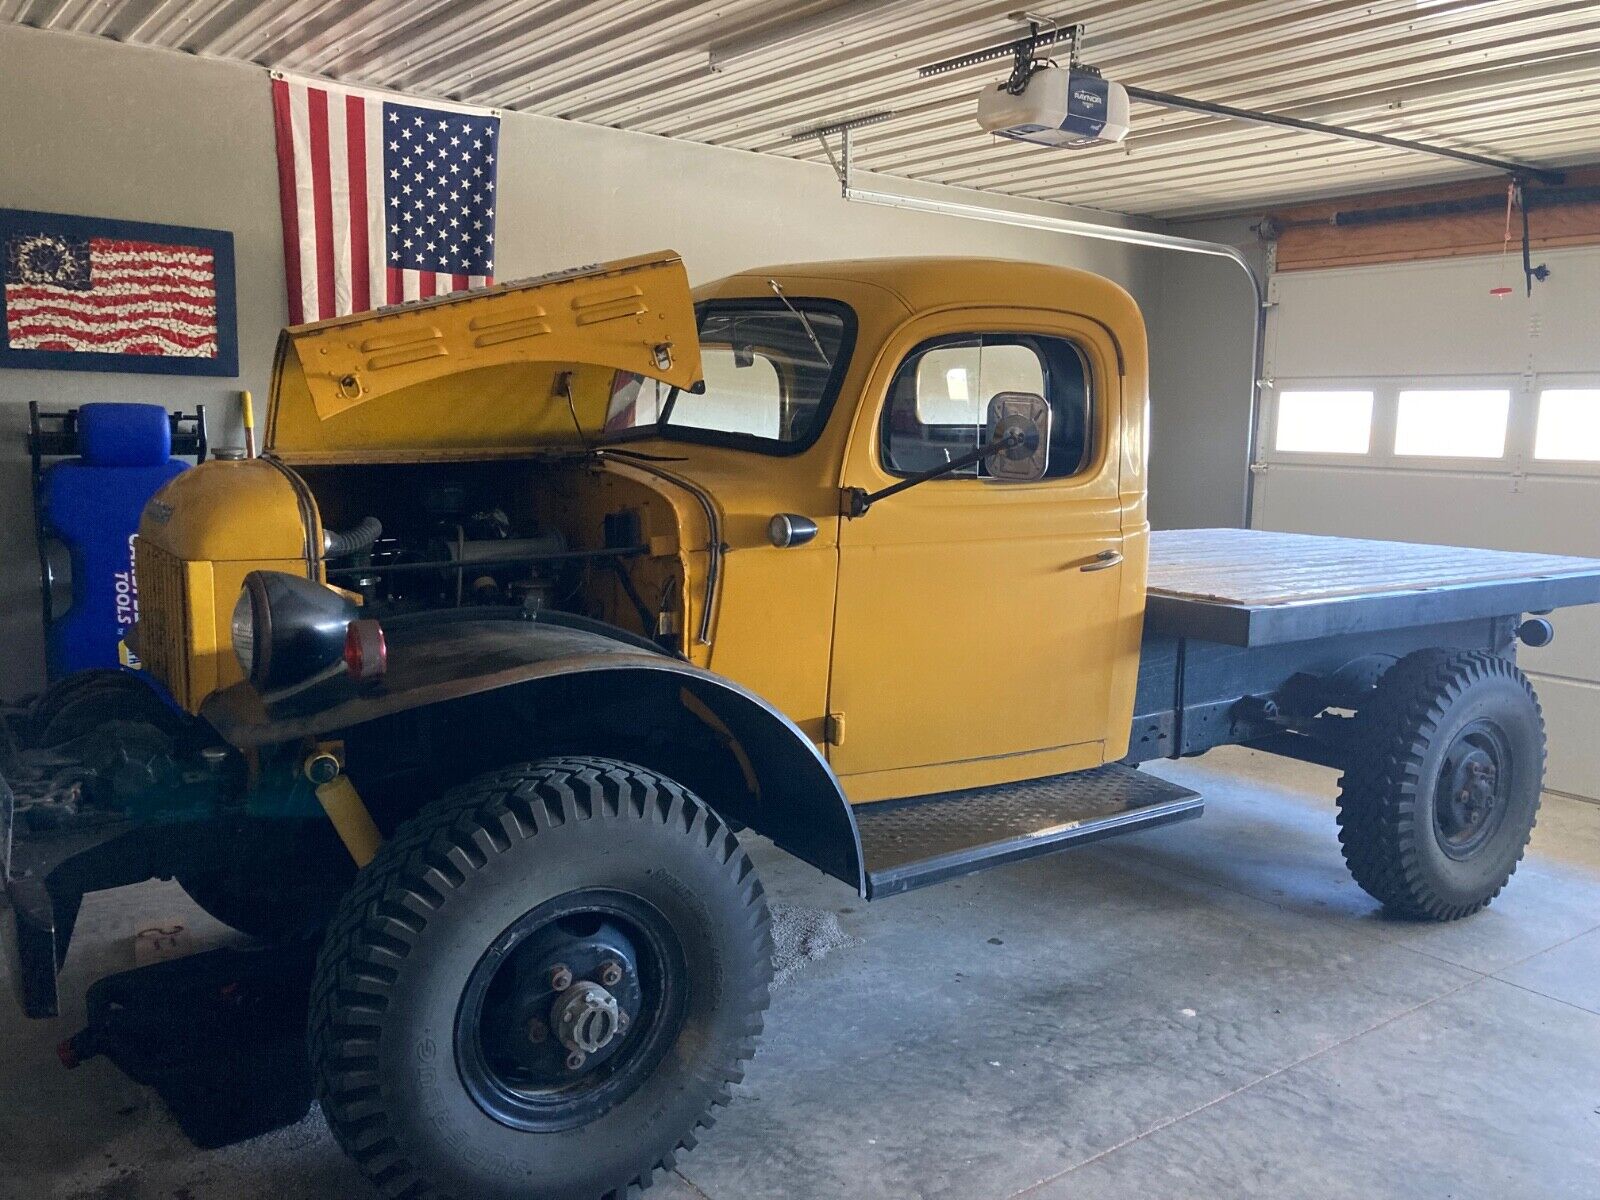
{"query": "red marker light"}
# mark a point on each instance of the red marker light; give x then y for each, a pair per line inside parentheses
(366, 656)
(1500, 291)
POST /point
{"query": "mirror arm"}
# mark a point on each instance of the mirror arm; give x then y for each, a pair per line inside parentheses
(858, 500)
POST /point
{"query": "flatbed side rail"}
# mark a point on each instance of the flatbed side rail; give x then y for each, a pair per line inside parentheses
(1278, 624)
(1248, 587)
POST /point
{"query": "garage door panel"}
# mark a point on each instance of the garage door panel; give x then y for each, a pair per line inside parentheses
(1320, 310)
(1564, 512)
(1575, 653)
(1571, 717)
(1434, 325)
(1483, 510)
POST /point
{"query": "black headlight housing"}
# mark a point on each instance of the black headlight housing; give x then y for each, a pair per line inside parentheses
(290, 631)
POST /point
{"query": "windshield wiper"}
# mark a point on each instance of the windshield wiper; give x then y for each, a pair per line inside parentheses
(642, 455)
(811, 333)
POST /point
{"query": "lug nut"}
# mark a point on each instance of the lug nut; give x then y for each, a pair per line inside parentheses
(576, 1059)
(610, 974)
(560, 977)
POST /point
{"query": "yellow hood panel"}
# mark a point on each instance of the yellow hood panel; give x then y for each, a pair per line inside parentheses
(491, 373)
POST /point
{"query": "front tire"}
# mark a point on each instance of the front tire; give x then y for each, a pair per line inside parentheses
(1440, 798)
(540, 987)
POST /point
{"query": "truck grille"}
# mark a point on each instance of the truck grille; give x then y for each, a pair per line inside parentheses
(163, 617)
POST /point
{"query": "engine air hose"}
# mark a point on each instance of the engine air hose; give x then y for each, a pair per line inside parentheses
(351, 541)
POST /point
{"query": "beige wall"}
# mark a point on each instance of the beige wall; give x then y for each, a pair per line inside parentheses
(1200, 366)
(92, 127)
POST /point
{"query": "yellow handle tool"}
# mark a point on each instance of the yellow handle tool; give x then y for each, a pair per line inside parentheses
(247, 411)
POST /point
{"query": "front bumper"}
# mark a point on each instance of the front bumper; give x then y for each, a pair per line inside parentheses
(43, 897)
(27, 944)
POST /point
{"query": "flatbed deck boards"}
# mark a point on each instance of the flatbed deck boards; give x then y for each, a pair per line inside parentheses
(1246, 587)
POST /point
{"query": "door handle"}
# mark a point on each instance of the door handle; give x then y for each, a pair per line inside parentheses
(1103, 560)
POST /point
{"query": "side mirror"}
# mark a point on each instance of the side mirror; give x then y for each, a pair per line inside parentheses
(1025, 414)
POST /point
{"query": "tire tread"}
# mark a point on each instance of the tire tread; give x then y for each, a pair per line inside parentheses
(1378, 793)
(432, 855)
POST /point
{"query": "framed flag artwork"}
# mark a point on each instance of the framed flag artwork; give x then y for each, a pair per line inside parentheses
(93, 294)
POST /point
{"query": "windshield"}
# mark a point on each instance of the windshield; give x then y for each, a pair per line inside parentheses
(772, 370)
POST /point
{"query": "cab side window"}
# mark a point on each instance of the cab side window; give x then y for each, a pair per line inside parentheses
(938, 403)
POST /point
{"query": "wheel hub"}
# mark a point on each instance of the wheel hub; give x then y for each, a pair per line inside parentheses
(1467, 806)
(586, 1018)
(572, 1006)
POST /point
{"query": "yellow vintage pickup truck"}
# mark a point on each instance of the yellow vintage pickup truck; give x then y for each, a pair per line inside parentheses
(460, 695)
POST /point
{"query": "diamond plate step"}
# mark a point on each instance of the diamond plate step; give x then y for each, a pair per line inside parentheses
(911, 843)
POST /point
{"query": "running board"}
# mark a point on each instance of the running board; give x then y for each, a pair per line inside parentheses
(909, 844)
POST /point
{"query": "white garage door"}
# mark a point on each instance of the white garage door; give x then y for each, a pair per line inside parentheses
(1407, 402)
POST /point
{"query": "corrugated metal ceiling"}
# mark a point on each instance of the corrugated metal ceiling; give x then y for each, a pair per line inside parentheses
(1509, 78)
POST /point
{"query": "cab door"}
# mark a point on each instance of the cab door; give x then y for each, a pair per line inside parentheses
(978, 620)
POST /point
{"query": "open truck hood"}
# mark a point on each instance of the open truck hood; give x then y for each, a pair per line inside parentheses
(494, 373)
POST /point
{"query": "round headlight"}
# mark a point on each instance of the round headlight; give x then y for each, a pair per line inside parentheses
(243, 629)
(290, 630)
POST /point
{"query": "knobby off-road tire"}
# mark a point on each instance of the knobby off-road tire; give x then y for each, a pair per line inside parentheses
(423, 1068)
(1440, 798)
(81, 703)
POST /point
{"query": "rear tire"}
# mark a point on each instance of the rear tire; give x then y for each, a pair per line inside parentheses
(1442, 792)
(435, 1028)
(79, 704)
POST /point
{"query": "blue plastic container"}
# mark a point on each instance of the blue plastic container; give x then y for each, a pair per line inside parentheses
(92, 504)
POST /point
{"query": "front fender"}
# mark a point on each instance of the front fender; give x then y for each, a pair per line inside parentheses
(793, 796)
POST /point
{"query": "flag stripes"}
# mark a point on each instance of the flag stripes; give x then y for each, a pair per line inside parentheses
(133, 298)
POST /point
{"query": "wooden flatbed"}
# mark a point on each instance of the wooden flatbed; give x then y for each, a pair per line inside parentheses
(1246, 587)
(1248, 634)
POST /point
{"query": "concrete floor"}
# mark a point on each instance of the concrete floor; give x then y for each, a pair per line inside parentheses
(1209, 1010)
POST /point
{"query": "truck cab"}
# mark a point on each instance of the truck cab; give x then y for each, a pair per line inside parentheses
(900, 638)
(896, 639)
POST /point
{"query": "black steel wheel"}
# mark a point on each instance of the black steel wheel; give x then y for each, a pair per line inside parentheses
(541, 987)
(1440, 798)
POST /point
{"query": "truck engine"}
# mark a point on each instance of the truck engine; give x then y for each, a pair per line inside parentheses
(567, 533)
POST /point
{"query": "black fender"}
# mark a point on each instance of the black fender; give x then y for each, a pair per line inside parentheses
(784, 789)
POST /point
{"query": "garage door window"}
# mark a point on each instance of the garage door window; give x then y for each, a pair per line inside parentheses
(1324, 422)
(1569, 425)
(1452, 423)
(938, 403)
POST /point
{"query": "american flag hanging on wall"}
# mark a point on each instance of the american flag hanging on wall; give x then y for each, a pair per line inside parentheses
(383, 200)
